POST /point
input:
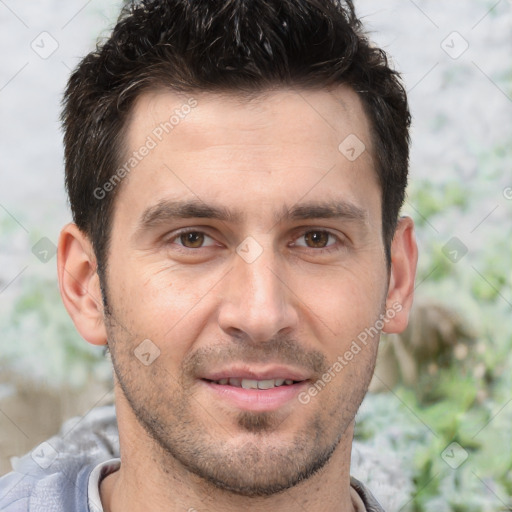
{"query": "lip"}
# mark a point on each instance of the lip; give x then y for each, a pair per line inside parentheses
(262, 373)
(256, 400)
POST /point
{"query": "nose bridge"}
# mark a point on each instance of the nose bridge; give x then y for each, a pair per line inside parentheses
(258, 302)
(263, 287)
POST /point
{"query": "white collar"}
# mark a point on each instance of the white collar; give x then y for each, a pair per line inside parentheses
(95, 478)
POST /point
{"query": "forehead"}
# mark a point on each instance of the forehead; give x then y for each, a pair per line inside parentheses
(328, 115)
(268, 150)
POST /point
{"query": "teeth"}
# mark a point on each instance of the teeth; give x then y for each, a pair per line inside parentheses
(266, 384)
(254, 384)
(249, 384)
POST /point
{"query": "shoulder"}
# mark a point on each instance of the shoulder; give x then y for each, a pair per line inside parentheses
(15, 492)
(33, 489)
(54, 476)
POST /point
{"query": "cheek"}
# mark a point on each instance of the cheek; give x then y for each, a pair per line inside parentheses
(165, 304)
(341, 304)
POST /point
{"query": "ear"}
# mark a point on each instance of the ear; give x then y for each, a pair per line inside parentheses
(80, 285)
(404, 257)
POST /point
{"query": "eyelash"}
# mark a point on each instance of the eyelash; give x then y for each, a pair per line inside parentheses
(337, 246)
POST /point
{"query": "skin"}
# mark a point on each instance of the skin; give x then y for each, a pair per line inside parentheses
(317, 284)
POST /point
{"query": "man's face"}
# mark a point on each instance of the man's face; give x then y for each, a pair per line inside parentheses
(246, 247)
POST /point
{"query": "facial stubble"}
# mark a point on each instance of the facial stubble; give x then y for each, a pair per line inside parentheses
(251, 458)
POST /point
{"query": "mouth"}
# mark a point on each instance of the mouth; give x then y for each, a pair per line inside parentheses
(256, 390)
(253, 383)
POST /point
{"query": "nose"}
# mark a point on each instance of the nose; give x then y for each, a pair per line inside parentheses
(257, 303)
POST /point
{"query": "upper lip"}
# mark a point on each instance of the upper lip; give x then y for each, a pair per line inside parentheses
(266, 373)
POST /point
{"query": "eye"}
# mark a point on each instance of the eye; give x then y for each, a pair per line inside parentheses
(317, 239)
(192, 239)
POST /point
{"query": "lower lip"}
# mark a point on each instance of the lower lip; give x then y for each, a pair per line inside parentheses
(257, 399)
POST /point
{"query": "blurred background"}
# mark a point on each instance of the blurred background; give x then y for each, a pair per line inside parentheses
(438, 418)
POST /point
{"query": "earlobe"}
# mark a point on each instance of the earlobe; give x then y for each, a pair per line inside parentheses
(79, 284)
(404, 257)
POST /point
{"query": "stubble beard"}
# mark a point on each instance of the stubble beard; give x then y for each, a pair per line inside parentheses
(252, 459)
(251, 468)
(254, 463)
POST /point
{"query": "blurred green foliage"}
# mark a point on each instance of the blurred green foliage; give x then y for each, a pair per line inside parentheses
(470, 403)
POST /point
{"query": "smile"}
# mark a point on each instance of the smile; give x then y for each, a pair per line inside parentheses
(254, 384)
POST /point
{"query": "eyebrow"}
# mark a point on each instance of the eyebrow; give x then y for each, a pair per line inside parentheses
(325, 210)
(168, 210)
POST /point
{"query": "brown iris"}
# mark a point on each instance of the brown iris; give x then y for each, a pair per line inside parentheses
(192, 240)
(317, 239)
